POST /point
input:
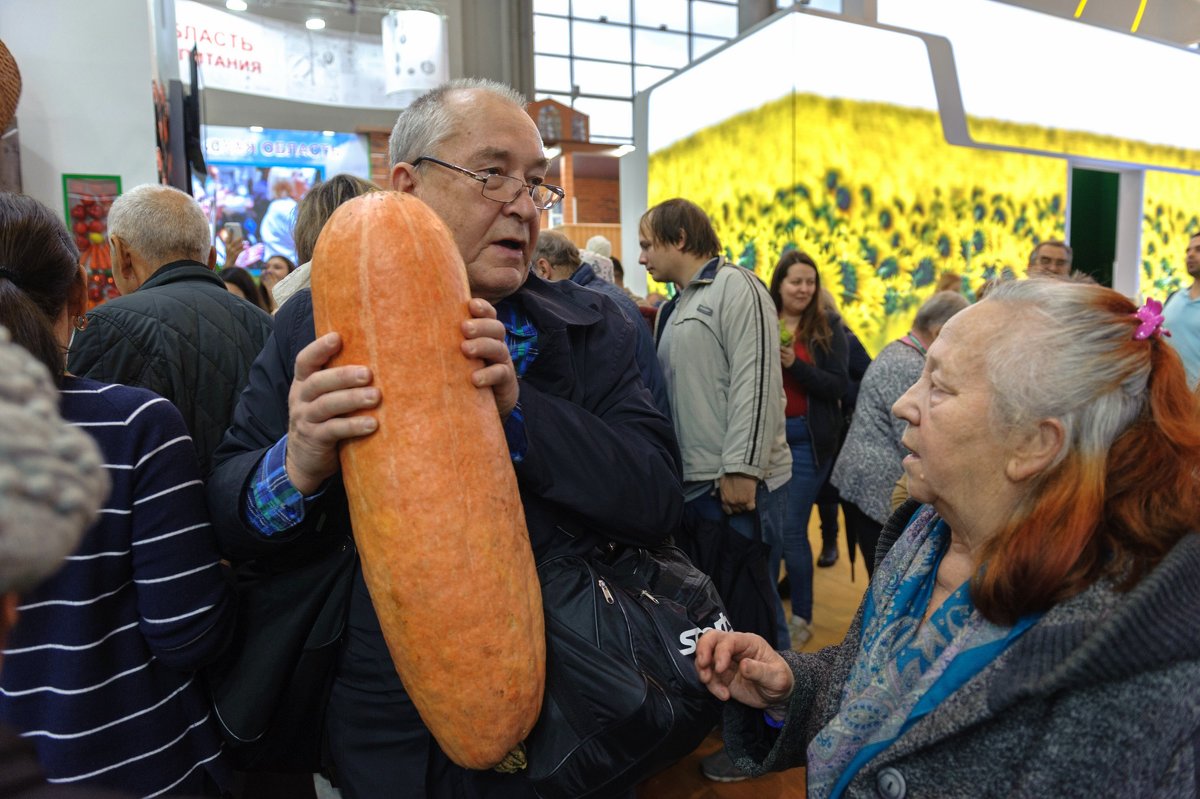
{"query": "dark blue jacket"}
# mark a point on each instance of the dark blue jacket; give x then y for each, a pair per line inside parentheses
(601, 464)
(646, 355)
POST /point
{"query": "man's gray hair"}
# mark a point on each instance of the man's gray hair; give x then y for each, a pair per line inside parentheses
(1066, 356)
(425, 124)
(161, 224)
(52, 481)
(936, 310)
(558, 250)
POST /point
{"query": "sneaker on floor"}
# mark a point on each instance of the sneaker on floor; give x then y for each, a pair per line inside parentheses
(718, 767)
(829, 556)
(800, 631)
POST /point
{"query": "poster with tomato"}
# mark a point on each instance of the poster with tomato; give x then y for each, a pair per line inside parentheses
(88, 198)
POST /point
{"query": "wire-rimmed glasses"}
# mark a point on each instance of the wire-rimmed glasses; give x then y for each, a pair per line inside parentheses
(505, 188)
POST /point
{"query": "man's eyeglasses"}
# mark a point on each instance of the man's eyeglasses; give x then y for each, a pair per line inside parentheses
(504, 188)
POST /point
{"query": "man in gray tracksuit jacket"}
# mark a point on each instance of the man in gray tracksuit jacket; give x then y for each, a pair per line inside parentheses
(718, 344)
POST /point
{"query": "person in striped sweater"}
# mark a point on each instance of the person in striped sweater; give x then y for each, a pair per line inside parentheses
(99, 674)
(52, 484)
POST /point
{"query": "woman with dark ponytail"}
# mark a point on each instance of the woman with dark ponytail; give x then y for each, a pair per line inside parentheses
(99, 673)
(31, 299)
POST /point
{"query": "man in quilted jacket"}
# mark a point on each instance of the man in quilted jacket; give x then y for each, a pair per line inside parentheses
(175, 330)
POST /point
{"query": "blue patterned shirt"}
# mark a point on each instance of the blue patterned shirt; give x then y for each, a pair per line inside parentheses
(522, 339)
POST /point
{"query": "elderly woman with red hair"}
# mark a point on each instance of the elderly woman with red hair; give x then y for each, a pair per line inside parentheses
(1030, 629)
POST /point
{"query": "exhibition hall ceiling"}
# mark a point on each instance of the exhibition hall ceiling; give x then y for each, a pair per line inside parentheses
(1166, 20)
(356, 16)
(1176, 21)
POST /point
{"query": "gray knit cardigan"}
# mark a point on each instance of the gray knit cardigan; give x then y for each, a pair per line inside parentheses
(868, 465)
(1100, 698)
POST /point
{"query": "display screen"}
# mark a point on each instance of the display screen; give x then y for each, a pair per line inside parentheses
(257, 204)
(850, 162)
(256, 178)
(1169, 218)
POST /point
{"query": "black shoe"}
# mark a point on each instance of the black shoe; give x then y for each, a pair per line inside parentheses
(718, 767)
(829, 556)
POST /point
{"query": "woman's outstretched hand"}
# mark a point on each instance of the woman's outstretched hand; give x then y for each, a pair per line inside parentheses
(744, 667)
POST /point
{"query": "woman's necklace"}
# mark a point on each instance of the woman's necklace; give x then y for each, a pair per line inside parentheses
(914, 342)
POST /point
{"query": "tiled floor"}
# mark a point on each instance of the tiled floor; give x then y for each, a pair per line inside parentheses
(835, 600)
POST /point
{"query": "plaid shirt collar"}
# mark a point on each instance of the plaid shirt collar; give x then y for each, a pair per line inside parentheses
(519, 334)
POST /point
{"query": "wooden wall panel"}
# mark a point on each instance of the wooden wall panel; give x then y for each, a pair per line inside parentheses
(597, 200)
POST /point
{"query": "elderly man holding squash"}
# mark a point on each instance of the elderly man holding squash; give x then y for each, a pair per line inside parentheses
(558, 360)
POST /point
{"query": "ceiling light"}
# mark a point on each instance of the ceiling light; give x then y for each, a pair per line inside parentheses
(256, 128)
(235, 5)
(314, 23)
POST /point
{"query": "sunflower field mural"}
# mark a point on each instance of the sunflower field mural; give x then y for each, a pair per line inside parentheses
(885, 205)
(1170, 218)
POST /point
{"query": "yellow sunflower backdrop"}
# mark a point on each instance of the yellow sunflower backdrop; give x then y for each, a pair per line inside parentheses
(1171, 216)
(884, 205)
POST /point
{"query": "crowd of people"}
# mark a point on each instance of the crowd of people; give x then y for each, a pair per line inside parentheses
(1018, 476)
(256, 217)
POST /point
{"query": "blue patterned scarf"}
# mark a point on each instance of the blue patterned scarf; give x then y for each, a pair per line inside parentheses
(904, 669)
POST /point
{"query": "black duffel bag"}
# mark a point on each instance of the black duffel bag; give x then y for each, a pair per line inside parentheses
(622, 701)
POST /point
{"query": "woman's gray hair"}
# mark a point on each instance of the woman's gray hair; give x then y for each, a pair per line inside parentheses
(425, 124)
(938, 309)
(161, 223)
(52, 481)
(1066, 356)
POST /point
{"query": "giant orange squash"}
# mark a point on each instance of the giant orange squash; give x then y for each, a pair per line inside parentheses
(433, 498)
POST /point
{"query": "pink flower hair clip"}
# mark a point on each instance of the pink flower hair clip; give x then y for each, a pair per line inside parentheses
(1151, 318)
